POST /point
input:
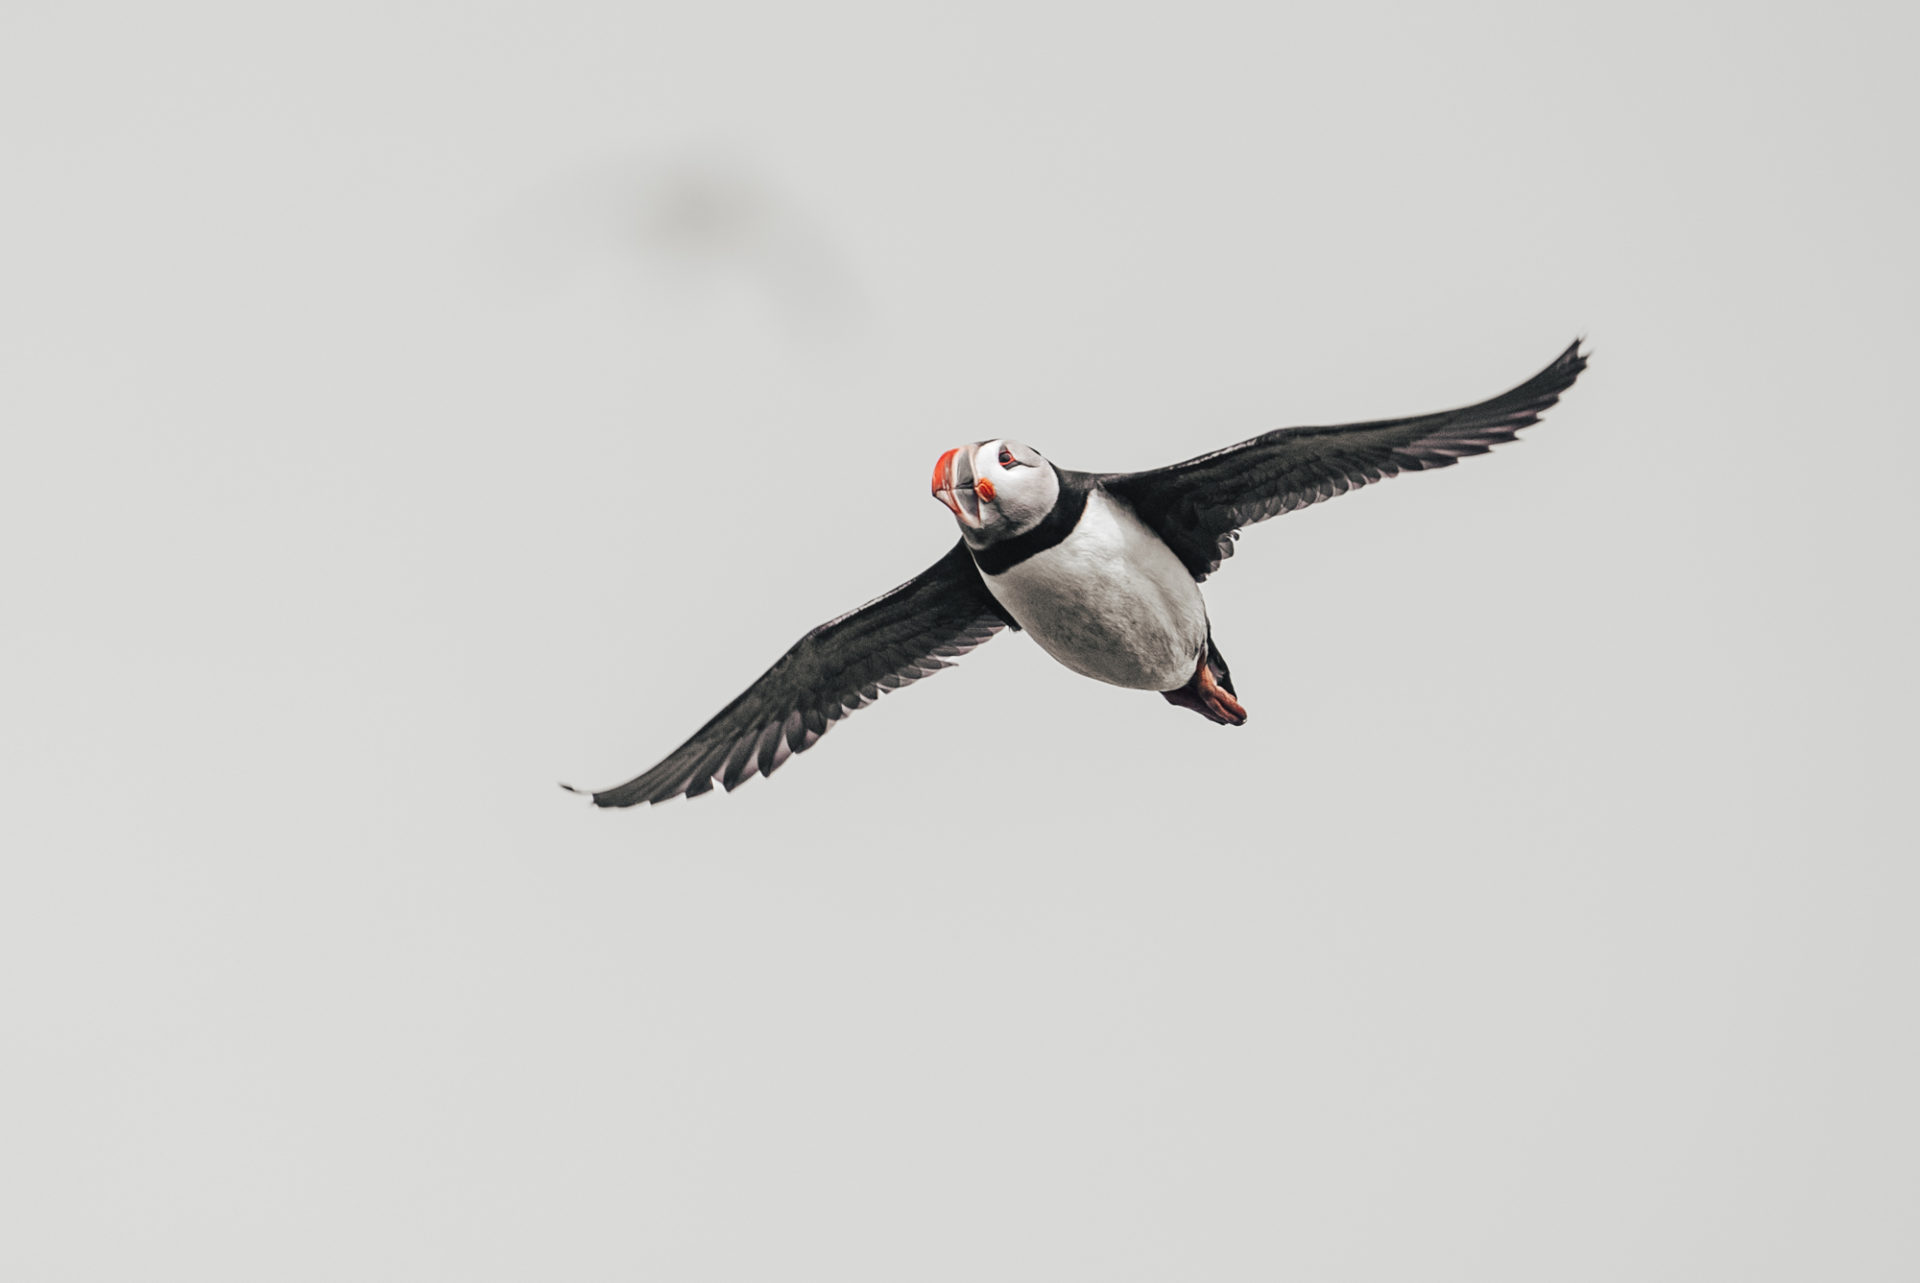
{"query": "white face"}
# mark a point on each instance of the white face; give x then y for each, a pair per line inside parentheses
(996, 489)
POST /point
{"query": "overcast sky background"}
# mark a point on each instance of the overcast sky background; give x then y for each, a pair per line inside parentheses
(410, 406)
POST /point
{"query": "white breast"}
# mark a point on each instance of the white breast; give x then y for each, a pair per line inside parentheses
(1110, 601)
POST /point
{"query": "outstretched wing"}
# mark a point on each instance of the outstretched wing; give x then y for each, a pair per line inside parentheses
(842, 665)
(1199, 506)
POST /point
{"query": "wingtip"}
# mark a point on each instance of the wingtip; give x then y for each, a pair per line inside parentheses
(1568, 366)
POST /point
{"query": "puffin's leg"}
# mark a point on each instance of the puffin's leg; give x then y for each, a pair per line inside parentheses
(1210, 691)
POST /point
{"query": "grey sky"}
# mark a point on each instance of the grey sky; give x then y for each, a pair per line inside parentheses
(409, 407)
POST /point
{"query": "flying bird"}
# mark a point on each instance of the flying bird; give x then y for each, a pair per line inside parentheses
(1101, 569)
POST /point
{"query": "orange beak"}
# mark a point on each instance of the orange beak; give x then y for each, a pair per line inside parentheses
(953, 486)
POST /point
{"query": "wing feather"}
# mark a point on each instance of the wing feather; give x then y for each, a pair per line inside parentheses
(1199, 506)
(840, 667)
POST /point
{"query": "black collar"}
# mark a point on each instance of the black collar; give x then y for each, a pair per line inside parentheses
(997, 558)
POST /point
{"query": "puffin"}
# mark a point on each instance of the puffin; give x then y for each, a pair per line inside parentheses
(1103, 570)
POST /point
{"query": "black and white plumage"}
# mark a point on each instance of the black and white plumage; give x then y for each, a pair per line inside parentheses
(1100, 569)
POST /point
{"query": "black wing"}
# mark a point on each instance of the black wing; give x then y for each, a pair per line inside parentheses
(842, 665)
(1199, 506)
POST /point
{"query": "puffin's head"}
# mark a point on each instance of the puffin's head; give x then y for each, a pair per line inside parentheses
(997, 489)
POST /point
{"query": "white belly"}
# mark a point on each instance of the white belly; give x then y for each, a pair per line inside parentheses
(1110, 601)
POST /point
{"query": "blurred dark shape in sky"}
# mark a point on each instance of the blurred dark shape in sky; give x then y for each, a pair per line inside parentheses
(710, 223)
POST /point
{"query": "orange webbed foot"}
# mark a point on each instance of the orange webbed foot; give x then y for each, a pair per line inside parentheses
(1205, 695)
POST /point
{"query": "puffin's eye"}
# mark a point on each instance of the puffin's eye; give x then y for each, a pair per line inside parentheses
(1006, 457)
